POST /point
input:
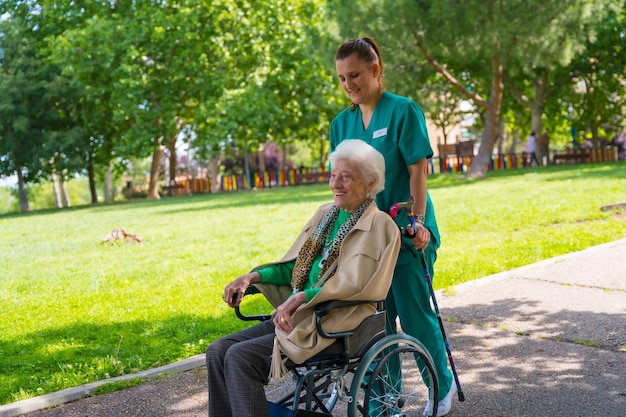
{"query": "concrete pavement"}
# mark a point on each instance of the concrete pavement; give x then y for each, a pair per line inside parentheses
(545, 339)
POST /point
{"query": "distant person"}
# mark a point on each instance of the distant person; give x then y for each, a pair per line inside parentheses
(543, 146)
(531, 148)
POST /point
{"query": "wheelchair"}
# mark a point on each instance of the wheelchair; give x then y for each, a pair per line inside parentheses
(364, 373)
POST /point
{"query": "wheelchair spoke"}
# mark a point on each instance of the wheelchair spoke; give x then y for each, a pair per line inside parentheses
(395, 381)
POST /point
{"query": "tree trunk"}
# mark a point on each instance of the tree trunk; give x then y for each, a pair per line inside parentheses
(153, 188)
(261, 155)
(92, 183)
(481, 162)
(501, 136)
(479, 167)
(246, 163)
(213, 172)
(323, 155)
(65, 198)
(535, 113)
(283, 158)
(514, 140)
(192, 169)
(56, 193)
(171, 146)
(593, 128)
(536, 105)
(22, 190)
(108, 184)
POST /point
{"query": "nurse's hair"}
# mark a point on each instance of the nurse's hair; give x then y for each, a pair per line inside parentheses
(366, 50)
(369, 161)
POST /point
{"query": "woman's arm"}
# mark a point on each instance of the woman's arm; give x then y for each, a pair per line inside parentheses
(233, 292)
(417, 184)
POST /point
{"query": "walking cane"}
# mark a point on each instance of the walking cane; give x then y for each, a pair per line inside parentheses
(408, 206)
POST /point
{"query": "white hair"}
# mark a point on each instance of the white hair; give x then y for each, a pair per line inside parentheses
(370, 162)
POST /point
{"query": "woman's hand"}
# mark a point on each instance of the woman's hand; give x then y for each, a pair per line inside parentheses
(233, 292)
(421, 238)
(283, 319)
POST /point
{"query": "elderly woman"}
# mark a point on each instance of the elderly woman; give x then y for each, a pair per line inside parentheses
(346, 251)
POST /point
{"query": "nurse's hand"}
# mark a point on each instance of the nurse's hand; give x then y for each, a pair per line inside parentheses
(421, 239)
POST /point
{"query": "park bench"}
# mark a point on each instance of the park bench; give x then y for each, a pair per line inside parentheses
(312, 178)
(175, 189)
(571, 157)
(460, 149)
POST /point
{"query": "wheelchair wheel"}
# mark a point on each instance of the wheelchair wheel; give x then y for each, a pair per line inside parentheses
(393, 378)
(319, 392)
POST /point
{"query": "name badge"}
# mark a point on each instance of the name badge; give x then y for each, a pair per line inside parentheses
(378, 133)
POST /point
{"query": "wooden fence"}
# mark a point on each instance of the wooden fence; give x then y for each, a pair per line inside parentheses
(449, 163)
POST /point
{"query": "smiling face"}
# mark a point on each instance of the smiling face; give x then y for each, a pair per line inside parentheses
(358, 79)
(348, 185)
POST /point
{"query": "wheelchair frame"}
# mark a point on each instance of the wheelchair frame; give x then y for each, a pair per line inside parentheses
(375, 375)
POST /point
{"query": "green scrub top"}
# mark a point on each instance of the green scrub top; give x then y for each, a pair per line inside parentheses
(398, 131)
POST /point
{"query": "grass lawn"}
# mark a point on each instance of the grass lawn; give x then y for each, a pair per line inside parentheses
(75, 310)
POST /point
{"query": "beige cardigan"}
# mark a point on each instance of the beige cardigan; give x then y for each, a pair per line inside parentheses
(365, 266)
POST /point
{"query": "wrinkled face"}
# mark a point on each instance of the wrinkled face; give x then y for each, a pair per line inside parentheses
(348, 185)
(358, 79)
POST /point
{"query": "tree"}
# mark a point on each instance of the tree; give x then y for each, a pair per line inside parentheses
(91, 54)
(570, 32)
(481, 41)
(145, 70)
(278, 88)
(66, 38)
(594, 83)
(441, 105)
(154, 88)
(30, 119)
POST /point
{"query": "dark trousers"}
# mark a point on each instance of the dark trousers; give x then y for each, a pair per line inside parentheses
(533, 157)
(409, 299)
(238, 367)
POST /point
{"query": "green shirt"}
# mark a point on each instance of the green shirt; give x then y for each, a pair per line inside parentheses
(280, 273)
(398, 131)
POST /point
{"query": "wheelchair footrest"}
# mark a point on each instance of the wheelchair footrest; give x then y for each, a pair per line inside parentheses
(306, 413)
(277, 410)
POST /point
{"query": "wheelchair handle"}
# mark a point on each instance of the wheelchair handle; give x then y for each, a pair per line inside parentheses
(256, 317)
(322, 309)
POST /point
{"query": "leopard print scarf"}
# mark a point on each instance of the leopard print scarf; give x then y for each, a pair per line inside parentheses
(315, 243)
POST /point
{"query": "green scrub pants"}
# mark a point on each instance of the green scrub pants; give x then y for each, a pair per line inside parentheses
(409, 299)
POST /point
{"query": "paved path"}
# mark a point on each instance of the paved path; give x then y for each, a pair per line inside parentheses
(544, 339)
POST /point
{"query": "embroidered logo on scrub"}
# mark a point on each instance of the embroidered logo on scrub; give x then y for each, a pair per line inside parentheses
(379, 133)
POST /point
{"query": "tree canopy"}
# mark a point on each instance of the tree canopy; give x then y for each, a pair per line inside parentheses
(479, 43)
(89, 89)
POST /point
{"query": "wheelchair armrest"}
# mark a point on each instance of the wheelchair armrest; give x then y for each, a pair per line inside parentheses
(251, 290)
(326, 307)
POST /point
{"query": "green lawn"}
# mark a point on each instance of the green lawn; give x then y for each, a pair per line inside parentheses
(75, 310)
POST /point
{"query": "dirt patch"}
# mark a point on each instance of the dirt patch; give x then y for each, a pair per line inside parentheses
(620, 216)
